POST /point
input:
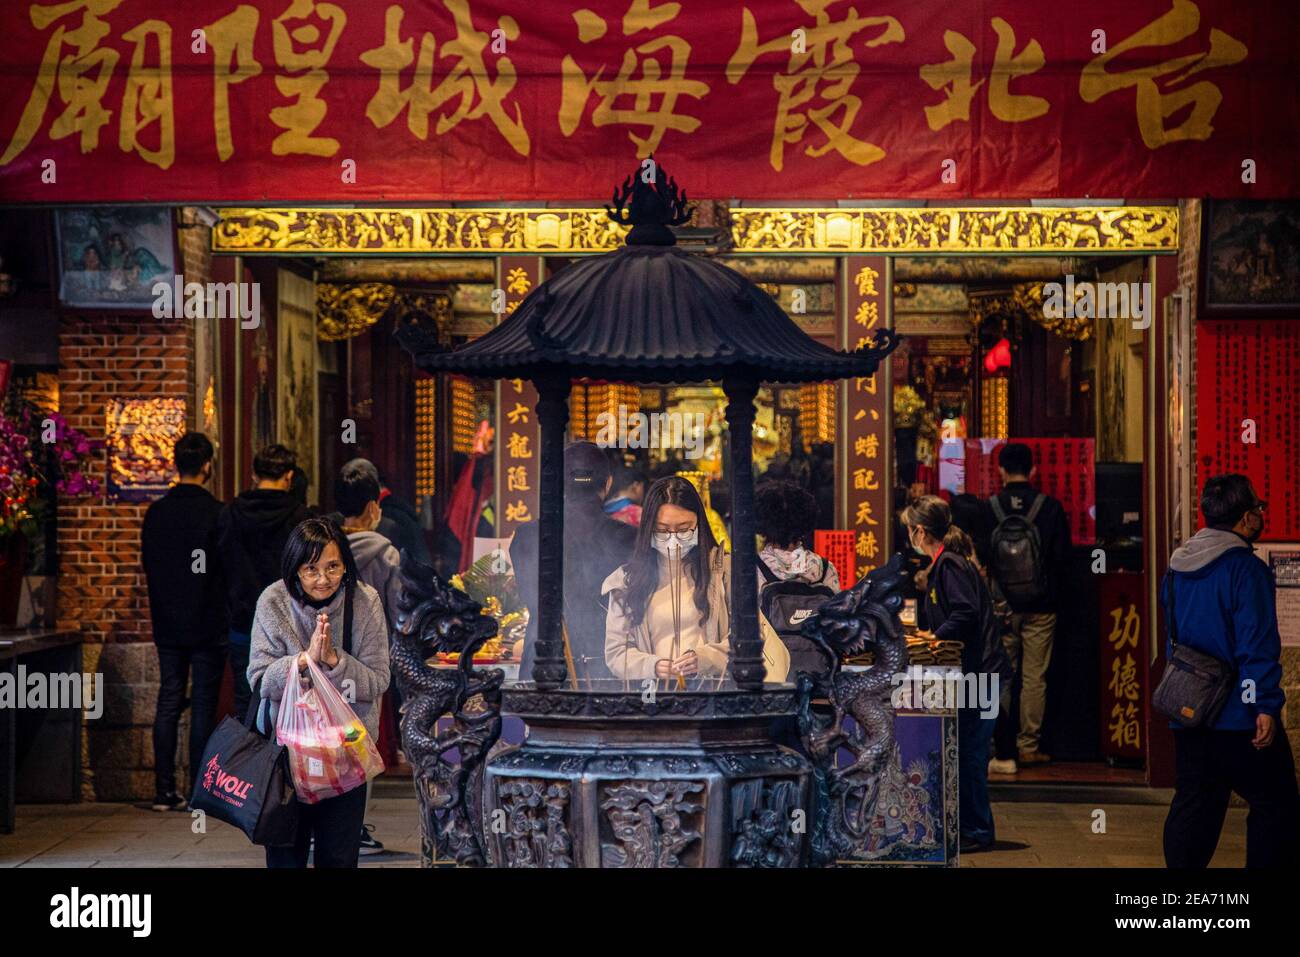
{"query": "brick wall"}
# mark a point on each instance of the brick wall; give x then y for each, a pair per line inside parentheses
(101, 586)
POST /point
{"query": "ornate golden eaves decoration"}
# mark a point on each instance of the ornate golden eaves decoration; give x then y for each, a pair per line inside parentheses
(1026, 299)
(912, 230)
(993, 230)
(397, 231)
(347, 310)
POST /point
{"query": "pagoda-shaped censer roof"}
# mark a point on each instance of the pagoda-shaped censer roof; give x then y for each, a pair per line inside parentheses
(649, 312)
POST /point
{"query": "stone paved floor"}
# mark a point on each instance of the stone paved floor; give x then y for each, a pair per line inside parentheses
(121, 835)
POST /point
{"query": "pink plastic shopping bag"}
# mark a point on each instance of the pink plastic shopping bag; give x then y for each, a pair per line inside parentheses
(330, 750)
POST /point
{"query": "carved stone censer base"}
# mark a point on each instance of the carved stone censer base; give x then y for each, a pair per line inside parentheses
(693, 778)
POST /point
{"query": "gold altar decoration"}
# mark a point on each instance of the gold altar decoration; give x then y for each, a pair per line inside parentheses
(323, 231)
(346, 311)
(947, 230)
(588, 400)
(995, 411)
(998, 230)
(426, 430)
(464, 420)
(817, 413)
(907, 407)
(1026, 299)
(716, 525)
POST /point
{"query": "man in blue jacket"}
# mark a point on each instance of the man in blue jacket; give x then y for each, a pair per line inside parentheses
(1221, 598)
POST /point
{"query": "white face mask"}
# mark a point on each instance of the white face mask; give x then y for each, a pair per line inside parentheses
(673, 544)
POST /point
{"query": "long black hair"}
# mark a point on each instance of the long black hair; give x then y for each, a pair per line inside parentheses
(642, 568)
(306, 543)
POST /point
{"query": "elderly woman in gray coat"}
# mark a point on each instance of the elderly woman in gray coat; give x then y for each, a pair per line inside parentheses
(300, 617)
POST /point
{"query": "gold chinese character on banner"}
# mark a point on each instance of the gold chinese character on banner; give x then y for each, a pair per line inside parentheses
(867, 314)
(821, 66)
(81, 76)
(1123, 678)
(868, 447)
(864, 514)
(231, 40)
(1154, 105)
(955, 77)
(625, 99)
(866, 281)
(148, 96)
(464, 86)
(518, 414)
(300, 50)
(865, 383)
(518, 512)
(866, 546)
(1124, 728)
(517, 385)
(865, 480)
(517, 479)
(517, 446)
(1127, 632)
(75, 66)
(517, 281)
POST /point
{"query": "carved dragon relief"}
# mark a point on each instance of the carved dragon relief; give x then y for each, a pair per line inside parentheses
(863, 616)
(433, 617)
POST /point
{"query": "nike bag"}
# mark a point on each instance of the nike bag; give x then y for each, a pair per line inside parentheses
(244, 780)
(787, 604)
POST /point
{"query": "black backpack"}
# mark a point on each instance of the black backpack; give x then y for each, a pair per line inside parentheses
(787, 605)
(1016, 554)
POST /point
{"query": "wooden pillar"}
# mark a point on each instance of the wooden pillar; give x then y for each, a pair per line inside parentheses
(746, 644)
(549, 668)
(865, 438)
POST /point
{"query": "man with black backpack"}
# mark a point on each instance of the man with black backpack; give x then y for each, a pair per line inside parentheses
(1029, 551)
(794, 581)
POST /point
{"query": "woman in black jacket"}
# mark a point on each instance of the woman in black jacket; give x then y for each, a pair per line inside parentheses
(957, 607)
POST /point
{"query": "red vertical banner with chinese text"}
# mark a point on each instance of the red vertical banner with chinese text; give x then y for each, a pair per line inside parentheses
(1123, 699)
(866, 433)
(518, 435)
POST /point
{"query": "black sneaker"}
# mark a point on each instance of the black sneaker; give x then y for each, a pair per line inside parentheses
(368, 843)
(169, 802)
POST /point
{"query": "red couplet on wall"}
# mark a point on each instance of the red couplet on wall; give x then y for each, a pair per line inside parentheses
(1066, 471)
(1247, 382)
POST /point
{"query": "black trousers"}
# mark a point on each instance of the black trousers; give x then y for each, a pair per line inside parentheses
(1210, 766)
(208, 664)
(239, 674)
(336, 825)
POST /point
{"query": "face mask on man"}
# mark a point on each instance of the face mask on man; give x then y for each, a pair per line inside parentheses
(675, 544)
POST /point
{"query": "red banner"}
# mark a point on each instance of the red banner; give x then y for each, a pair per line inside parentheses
(1066, 471)
(1247, 383)
(484, 100)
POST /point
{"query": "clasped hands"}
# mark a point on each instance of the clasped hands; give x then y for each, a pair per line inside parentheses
(321, 647)
(687, 664)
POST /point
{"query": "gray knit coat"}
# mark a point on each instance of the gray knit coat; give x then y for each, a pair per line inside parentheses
(282, 627)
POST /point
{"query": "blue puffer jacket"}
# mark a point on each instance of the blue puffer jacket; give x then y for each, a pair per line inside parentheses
(1224, 603)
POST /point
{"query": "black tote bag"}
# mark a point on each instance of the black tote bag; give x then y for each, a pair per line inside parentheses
(244, 780)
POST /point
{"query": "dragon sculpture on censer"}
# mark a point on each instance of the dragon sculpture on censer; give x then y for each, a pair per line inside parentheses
(433, 617)
(864, 616)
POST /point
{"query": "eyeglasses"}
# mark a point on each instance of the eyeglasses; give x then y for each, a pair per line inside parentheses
(315, 573)
(1260, 506)
(664, 537)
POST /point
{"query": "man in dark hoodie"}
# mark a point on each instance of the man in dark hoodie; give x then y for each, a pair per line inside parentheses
(188, 609)
(356, 493)
(251, 533)
(594, 546)
(401, 524)
(1219, 599)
